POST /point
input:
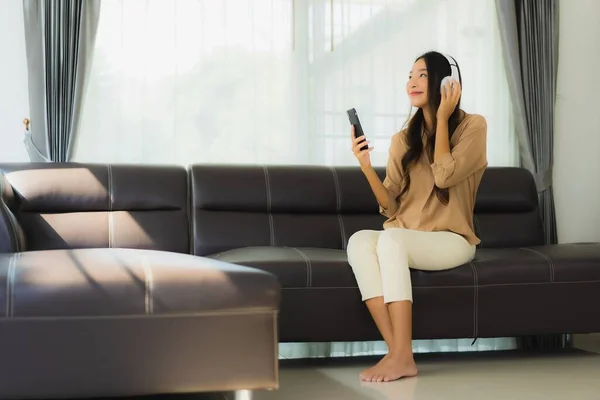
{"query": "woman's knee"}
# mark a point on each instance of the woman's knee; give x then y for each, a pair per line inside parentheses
(363, 238)
(362, 242)
(391, 237)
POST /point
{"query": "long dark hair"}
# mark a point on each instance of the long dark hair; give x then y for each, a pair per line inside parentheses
(438, 67)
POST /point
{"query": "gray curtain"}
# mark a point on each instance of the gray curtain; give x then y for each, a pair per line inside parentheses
(59, 41)
(529, 32)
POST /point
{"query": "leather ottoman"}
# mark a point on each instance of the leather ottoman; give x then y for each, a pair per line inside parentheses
(118, 322)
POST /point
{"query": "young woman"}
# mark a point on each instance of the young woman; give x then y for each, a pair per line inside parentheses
(434, 169)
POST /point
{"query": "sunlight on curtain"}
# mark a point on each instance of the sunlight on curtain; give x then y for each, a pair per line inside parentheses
(269, 81)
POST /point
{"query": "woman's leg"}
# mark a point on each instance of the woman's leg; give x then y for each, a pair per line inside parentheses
(362, 257)
(399, 249)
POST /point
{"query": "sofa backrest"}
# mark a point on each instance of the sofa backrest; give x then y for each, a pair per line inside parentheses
(12, 238)
(81, 205)
(309, 206)
(506, 209)
(66, 206)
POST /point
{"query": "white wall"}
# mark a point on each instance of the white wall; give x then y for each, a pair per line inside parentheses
(577, 124)
(13, 82)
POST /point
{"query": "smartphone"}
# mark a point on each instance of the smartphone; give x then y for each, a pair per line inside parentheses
(354, 121)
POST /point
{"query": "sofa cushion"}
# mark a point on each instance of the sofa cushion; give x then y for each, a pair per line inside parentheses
(555, 292)
(502, 292)
(103, 323)
(296, 267)
(308, 206)
(510, 266)
(12, 237)
(572, 262)
(300, 267)
(321, 207)
(69, 205)
(94, 282)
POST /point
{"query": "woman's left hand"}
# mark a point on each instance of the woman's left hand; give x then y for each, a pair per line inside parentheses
(450, 97)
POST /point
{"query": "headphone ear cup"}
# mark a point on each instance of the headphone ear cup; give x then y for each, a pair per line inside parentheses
(446, 79)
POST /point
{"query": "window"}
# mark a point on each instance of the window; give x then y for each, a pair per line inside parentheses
(243, 81)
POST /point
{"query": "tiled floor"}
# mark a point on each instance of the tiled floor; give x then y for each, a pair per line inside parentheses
(572, 375)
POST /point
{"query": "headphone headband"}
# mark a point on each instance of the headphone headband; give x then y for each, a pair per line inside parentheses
(454, 74)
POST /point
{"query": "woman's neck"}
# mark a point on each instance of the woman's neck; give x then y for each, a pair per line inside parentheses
(429, 120)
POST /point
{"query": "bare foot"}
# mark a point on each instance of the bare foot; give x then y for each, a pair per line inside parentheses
(394, 368)
(367, 374)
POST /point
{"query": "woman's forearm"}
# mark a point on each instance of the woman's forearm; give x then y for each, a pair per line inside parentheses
(442, 142)
(379, 190)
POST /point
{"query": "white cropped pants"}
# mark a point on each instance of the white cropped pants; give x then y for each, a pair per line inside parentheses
(381, 259)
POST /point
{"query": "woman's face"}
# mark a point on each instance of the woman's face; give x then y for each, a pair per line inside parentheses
(416, 87)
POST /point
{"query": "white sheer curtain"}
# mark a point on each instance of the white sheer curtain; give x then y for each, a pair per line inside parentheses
(269, 81)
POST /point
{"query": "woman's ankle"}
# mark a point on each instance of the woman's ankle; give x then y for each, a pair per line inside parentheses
(401, 353)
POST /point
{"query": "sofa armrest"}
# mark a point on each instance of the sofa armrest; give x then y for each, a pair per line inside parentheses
(12, 238)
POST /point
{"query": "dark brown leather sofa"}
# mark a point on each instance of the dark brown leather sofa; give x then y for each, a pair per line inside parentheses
(99, 295)
(293, 223)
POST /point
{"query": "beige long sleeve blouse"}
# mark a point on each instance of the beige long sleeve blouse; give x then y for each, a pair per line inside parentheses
(460, 171)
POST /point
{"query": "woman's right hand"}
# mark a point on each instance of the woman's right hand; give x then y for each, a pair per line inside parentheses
(363, 157)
